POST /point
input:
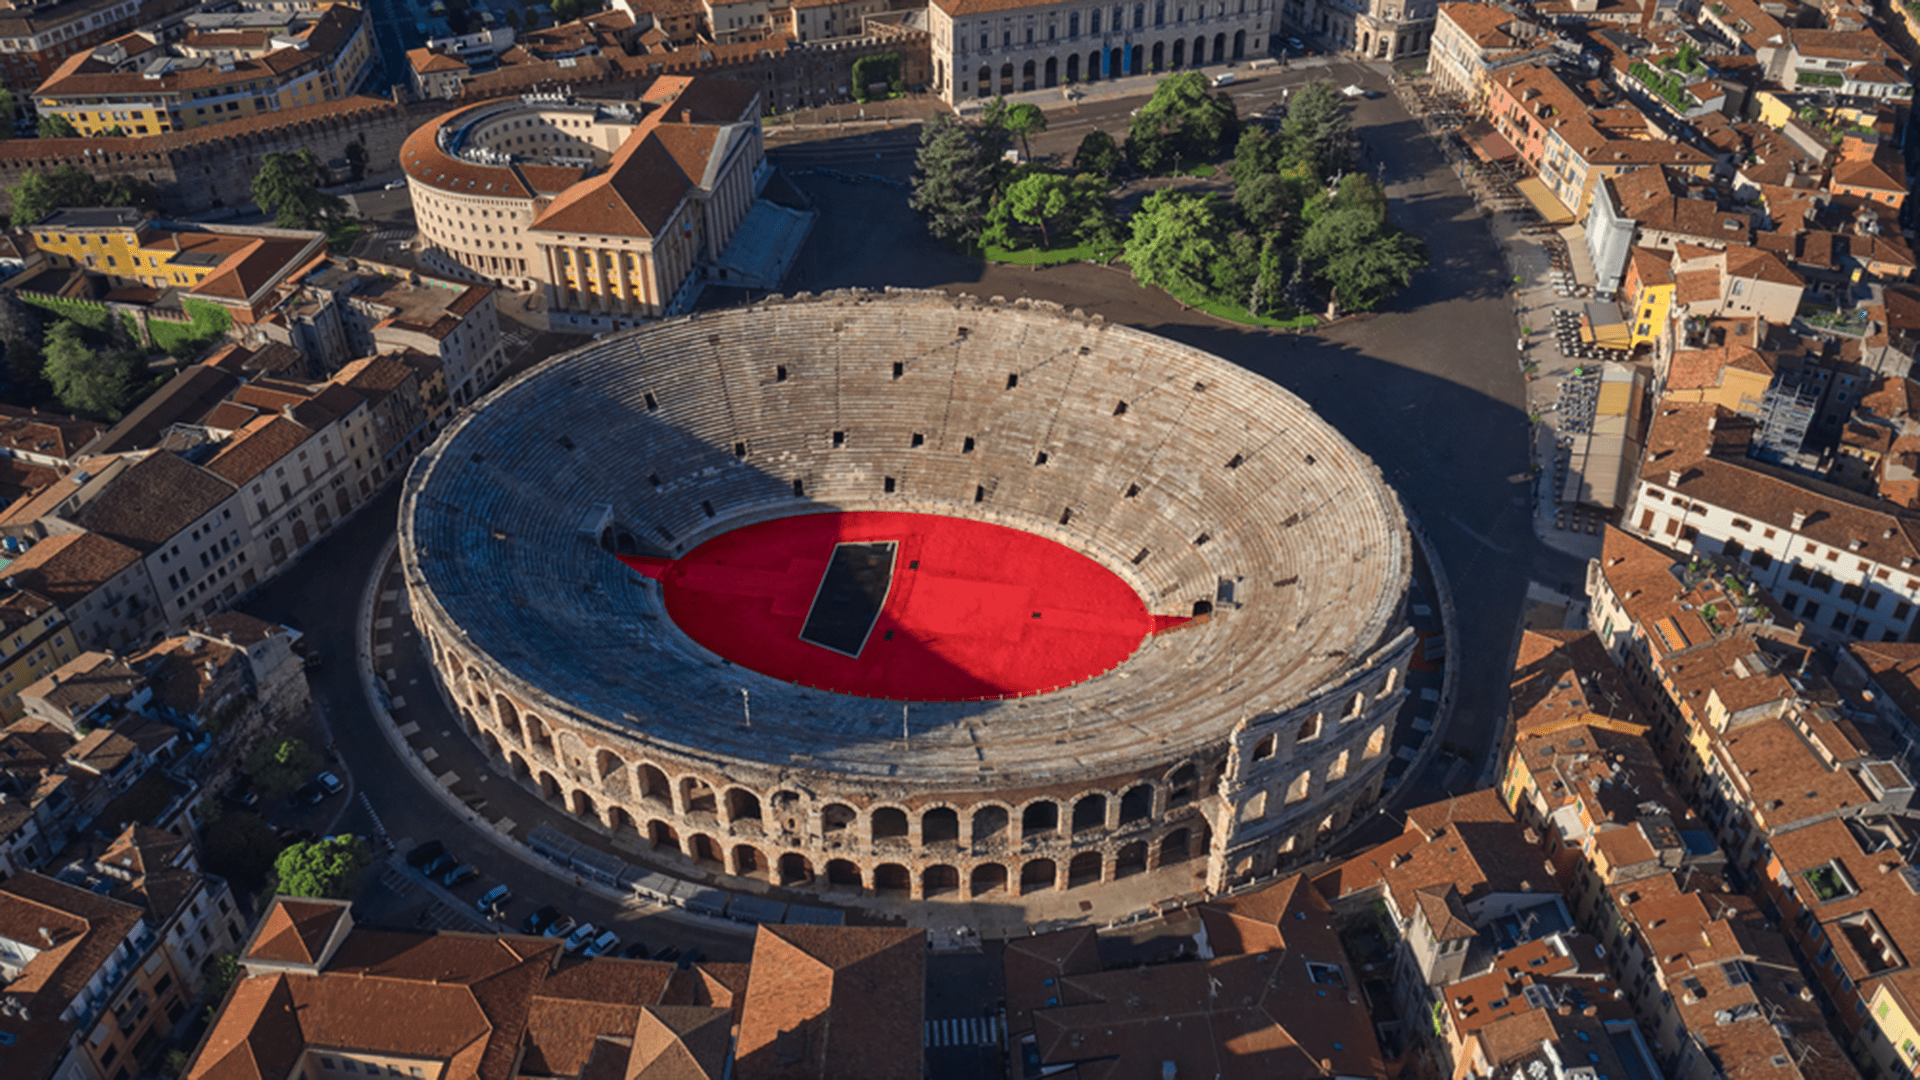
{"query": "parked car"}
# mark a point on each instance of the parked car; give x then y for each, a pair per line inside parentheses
(668, 953)
(441, 863)
(397, 185)
(330, 783)
(540, 920)
(309, 794)
(581, 935)
(459, 875)
(426, 853)
(600, 946)
(690, 958)
(239, 792)
(493, 898)
(1225, 78)
(561, 927)
(635, 951)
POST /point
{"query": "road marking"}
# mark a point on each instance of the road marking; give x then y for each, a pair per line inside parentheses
(964, 1031)
(1463, 528)
(428, 753)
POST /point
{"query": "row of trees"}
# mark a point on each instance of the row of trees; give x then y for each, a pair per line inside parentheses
(1298, 222)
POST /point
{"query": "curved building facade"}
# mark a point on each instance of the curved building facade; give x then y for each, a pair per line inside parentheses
(580, 551)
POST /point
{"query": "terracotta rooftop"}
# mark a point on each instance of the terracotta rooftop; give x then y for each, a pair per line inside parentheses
(153, 501)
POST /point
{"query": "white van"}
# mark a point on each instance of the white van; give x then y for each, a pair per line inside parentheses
(1225, 78)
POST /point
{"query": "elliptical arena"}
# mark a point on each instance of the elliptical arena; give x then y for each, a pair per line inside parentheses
(1246, 727)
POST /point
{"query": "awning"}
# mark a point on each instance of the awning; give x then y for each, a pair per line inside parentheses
(1551, 210)
(1488, 144)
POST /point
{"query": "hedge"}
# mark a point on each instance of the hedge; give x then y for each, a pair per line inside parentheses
(186, 340)
(879, 68)
(88, 313)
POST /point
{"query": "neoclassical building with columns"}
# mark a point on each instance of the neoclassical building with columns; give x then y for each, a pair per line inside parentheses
(607, 207)
(986, 47)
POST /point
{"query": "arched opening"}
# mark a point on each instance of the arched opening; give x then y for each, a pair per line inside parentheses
(606, 763)
(1174, 849)
(987, 878)
(1179, 54)
(518, 765)
(1138, 60)
(1036, 875)
(1040, 818)
(1131, 860)
(1183, 780)
(1089, 813)
(1006, 78)
(1239, 44)
(1366, 42)
(1116, 62)
(696, 796)
(549, 787)
(939, 881)
(836, 817)
(889, 822)
(1338, 770)
(795, 869)
(840, 872)
(742, 805)
(785, 807)
(1159, 56)
(583, 805)
(941, 825)
(985, 81)
(1297, 790)
(1136, 804)
(892, 878)
(1026, 76)
(989, 823)
(509, 719)
(654, 787)
(703, 849)
(1199, 51)
(492, 744)
(1263, 749)
(1084, 869)
(538, 735)
(1376, 742)
(1050, 74)
(1219, 47)
(1073, 68)
(1202, 607)
(748, 862)
(661, 835)
(618, 819)
(1309, 729)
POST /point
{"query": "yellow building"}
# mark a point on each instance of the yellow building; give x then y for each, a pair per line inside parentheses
(142, 86)
(1649, 295)
(34, 640)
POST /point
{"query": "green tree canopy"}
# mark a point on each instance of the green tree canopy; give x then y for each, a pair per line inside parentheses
(288, 187)
(1023, 120)
(86, 381)
(953, 180)
(1039, 199)
(222, 970)
(1098, 154)
(40, 194)
(328, 868)
(240, 846)
(1317, 134)
(53, 126)
(26, 365)
(1354, 251)
(279, 767)
(1178, 241)
(1181, 121)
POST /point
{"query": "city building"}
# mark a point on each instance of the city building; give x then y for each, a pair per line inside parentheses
(35, 38)
(137, 84)
(1472, 41)
(34, 639)
(983, 48)
(1376, 30)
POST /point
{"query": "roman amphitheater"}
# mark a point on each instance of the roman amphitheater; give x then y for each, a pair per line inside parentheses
(609, 560)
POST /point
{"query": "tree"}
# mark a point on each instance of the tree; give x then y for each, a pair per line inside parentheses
(278, 767)
(9, 109)
(511, 18)
(870, 71)
(565, 10)
(1181, 120)
(86, 381)
(1354, 251)
(1022, 120)
(1098, 154)
(1256, 154)
(53, 126)
(1271, 202)
(953, 181)
(221, 972)
(288, 186)
(327, 869)
(1178, 241)
(1316, 133)
(26, 365)
(40, 194)
(240, 846)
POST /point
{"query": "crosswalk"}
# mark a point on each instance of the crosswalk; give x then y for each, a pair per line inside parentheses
(966, 1031)
(516, 339)
(397, 233)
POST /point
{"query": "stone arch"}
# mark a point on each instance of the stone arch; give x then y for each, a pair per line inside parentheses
(1037, 875)
(509, 719)
(1050, 73)
(1089, 813)
(989, 823)
(1338, 770)
(549, 787)
(1179, 54)
(892, 878)
(491, 743)
(538, 735)
(942, 880)
(697, 797)
(1176, 847)
(581, 804)
(1355, 707)
(1042, 816)
(985, 81)
(518, 766)
(1263, 749)
(1131, 860)
(986, 878)
(1182, 781)
(1297, 791)
(844, 872)
(1376, 742)
(742, 805)
(1073, 67)
(1084, 869)
(1239, 44)
(749, 862)
(1136, 804)
(889, 823)
(940, 825)
(1220, 46)
(606, 763)
(1117, 61)
(1006, 78)
(795, 869)
(1159, 55)
(1027, 79)
(837, 817)
(703, 849)
(785, 808)
(1199, 50)
(618, 819)
(655, 787)
(1139, 61)
(661, 835)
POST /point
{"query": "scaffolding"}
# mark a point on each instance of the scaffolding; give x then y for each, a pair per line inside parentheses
(1785, 415)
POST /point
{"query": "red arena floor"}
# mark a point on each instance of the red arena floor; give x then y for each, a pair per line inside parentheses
(969, 611)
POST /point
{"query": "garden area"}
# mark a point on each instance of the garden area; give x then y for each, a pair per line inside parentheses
(1283, 228)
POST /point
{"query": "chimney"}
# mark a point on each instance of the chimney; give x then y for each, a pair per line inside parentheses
(1799, 519)
(1673, 477)
(686, 116)
(1713, 422)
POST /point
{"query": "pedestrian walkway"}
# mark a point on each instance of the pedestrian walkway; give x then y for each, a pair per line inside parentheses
(966, 1031)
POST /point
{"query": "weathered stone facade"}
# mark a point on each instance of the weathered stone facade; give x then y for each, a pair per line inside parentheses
(1244, 738)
